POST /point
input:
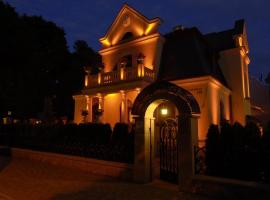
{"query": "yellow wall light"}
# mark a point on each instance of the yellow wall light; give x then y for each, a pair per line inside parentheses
(106, 42)
(149, 28)
(164, 111)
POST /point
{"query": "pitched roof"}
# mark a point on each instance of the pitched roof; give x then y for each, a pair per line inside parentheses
(226, 39)
(187, 54)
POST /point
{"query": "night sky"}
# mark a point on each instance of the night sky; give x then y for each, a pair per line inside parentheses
(89, 19)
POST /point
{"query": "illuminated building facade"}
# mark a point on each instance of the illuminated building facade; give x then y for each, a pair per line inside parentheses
(212, 67)
(169, 87)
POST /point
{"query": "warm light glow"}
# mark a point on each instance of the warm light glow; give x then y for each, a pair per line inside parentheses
(99, 78)
(122, 92)
(142, 70)
(111, 95)
(138, 30)
(139, 70)
(214, 107)
(86, 80)
(106, 42)
(240, 41)
(99, 101)
(242, 52)
(247, 60)
(164, 111)
(243, 81)
(87, 102)
(149, 28)
(122, 73)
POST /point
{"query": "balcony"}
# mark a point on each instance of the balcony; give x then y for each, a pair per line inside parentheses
(120, 76)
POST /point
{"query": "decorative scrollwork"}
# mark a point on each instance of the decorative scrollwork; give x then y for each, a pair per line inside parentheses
(199, 157)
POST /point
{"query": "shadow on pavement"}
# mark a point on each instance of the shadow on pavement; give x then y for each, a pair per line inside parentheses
(111, 190)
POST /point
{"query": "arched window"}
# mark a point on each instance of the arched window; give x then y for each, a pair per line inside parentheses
(125, 61)
(96, 113)
(127, 36)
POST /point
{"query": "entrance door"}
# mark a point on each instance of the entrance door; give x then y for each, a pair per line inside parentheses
(168, 151)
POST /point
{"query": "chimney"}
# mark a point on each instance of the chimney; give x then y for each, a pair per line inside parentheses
(178, 28)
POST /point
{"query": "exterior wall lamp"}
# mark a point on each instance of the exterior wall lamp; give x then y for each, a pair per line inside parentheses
(164, 111)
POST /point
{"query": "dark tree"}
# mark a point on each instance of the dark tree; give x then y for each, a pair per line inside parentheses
(265, 151)
(238, 160)
(33, 55)
(226, 148)
(252, 151)
(86, 56)
(213, 158)
(36, 65)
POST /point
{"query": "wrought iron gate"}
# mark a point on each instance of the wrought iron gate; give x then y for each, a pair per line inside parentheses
(168, 151)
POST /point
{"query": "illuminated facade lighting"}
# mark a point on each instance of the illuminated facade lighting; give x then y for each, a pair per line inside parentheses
(122, 73)
(99, 78)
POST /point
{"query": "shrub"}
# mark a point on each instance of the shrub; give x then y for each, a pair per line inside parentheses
(212, 158)
(91, 139)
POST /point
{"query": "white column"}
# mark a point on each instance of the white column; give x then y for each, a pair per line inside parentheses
(80, 104)
(89, 108)
(101, 106)
(123, 107)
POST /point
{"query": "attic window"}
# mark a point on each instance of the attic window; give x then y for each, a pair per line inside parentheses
(127, 36)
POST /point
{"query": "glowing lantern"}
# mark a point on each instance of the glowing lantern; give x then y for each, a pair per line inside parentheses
(164, 111)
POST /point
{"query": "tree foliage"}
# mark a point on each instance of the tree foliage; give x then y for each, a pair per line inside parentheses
(36, 65)
(238, 152)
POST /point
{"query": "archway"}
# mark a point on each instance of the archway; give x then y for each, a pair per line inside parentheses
(143, 111)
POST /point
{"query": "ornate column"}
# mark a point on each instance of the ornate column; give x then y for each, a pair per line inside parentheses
(80, 106)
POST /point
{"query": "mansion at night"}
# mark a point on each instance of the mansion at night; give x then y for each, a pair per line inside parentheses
(213, 68)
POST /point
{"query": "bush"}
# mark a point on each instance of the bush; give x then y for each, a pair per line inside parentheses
(120, 133)
(91, 139)
(212, 150)
(238, 152)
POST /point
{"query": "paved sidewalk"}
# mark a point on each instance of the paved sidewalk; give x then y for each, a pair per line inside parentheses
(32, 180)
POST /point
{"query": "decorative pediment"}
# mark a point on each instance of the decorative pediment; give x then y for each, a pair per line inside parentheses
(129, 23)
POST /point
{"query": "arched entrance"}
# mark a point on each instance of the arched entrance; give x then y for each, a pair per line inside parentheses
(143, 111)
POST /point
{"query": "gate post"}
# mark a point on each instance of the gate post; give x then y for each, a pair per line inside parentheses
(142, 152)
(187, 137)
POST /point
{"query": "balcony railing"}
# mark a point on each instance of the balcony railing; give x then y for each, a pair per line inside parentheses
(121, 75)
